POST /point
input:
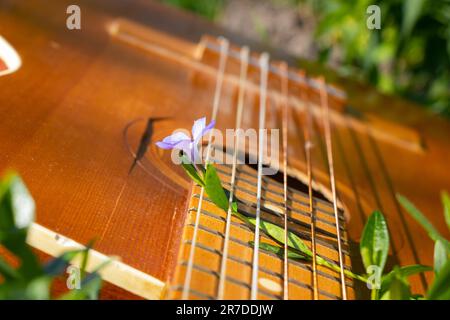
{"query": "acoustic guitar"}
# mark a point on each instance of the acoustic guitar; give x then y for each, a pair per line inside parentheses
(81, 110)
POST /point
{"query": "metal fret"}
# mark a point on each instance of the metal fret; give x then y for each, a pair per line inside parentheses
(231, 280)
(275, 184)
(295, 210)
(263, 270)
(245, 227)
(247, 245)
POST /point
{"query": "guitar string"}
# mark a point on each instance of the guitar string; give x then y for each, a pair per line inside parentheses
(264, 66)
(284, 90)
(255, 263)
(224, 43)
(307, 133)
(240, 105)
(294, 77)
(329, 147)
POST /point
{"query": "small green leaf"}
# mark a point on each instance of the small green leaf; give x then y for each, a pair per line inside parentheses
(399, 288)
(422, 220)
(412, 10)
(374, 246)
(213, 188)
(234, 206)
(16, 214)
(446, 203)
(16, 205)
(59, 265)
(279, 251)
(292, 254)
(441, 256)
(277, 233)
(419, 217)
(90, 288)
(190, 170)
(404, 272)
(39, 288)
(7, 271)
(90, 284)
(84, 260)
(440, 289)
(408, 271)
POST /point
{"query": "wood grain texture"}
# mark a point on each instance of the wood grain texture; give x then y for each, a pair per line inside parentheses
(74, 113)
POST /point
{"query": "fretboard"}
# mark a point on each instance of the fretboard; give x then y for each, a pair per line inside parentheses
(209, 242)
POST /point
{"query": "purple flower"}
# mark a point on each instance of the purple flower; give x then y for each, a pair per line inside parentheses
(182, 141)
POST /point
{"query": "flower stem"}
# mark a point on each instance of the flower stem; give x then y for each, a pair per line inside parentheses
(320, 261)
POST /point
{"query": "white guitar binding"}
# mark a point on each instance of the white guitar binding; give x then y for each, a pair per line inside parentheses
(9, 59)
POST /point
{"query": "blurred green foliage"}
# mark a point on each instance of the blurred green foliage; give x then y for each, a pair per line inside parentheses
(31, 280)
(409, 55)
(206, 8)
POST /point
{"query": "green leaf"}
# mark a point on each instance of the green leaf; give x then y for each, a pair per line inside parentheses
(35, 289)
(399, 288)
(16, 205)
(39, 288)
(84, 260)
(190, 170)
(59, 265)
(408, 271)
(404, 272)
(213, 188)
(374, 246)
(422, 220)
(440, 289)
(446, 203)
(412, 10)
(419, 217)
(90, 288)
(90, 284)
(16, 214)
(277, 233)
(441, 256)
(299, 256)
(219, 196)
(279, 251)
(7, 271)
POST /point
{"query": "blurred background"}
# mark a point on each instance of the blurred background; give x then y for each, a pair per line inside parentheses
(409, 56)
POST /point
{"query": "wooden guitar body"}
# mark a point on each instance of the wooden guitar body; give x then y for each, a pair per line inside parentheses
(73, 117)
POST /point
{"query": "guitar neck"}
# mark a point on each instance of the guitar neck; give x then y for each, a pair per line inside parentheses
(209, 241)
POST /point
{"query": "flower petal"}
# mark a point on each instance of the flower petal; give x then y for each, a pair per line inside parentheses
(176, 137)
(187, 147)
(209, 127)
(171, 141)
(198, 127)
(196, 158)
(204, 131)
(164, 145)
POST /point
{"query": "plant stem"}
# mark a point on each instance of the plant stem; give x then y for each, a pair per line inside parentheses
(320, 261)
(374, 294)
